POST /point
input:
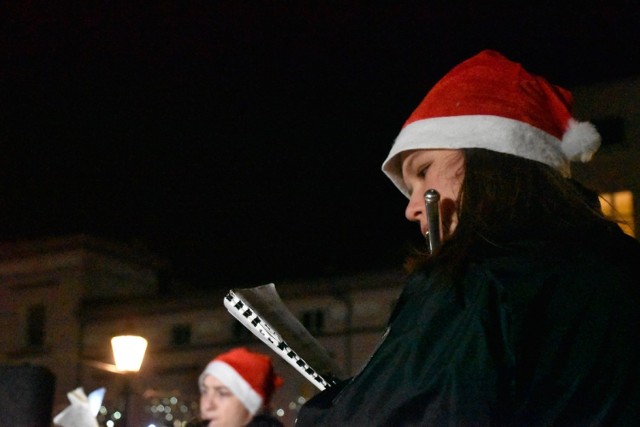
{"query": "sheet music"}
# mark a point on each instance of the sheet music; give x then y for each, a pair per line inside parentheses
(261, 310)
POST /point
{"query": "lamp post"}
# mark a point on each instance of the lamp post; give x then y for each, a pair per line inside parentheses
(128, 353)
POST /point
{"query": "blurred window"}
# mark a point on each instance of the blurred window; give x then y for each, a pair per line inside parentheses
(313, 320)
(240, 332)
(36, 317)
(181, 335)
(619, 207)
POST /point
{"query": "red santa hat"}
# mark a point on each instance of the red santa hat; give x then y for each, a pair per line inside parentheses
(491, 102)
(248, 375)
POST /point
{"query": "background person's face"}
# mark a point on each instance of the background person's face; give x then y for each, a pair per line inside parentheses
(442, 170)
(220, 406)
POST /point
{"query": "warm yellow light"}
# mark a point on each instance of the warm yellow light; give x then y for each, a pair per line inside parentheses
(619, 207)
(128, 352)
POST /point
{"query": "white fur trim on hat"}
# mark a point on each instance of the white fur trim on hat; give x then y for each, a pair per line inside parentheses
(494, 133)
(235, 382)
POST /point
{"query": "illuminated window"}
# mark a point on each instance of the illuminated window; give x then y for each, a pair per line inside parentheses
(619, 207)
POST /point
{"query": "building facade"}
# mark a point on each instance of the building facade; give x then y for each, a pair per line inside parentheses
(68, 297)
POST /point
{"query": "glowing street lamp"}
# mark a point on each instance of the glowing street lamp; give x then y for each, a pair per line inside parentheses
(128, 352)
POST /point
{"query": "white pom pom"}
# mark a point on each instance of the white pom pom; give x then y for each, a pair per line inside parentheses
(580, 141)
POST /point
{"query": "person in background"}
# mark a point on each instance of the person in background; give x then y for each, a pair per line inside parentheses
(527, 312)
(236, 389)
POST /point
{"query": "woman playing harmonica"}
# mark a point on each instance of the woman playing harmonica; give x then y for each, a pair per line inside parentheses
(527, 313)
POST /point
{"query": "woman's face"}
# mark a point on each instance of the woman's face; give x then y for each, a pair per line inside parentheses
(442, 170)
(220, 406)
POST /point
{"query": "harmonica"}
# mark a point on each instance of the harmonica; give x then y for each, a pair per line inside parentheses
(432, 208)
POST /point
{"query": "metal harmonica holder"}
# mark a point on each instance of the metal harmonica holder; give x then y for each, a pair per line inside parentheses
(432, 206)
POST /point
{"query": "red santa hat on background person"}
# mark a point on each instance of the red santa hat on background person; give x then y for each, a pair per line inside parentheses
(493, 103)
(249, 376)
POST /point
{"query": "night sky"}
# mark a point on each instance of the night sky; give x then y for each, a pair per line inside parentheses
(242, 140)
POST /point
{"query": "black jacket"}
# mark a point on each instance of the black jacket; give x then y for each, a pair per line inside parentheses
(535, 333)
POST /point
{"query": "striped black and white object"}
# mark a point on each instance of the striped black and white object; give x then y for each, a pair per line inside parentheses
(261, 310)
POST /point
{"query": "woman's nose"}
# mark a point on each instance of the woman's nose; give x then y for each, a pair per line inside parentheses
(209, 401)
(415, 208)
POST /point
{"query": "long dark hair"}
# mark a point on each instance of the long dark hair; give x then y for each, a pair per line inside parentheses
(504, 197)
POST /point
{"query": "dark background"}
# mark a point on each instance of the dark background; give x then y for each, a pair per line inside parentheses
(242, 140)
